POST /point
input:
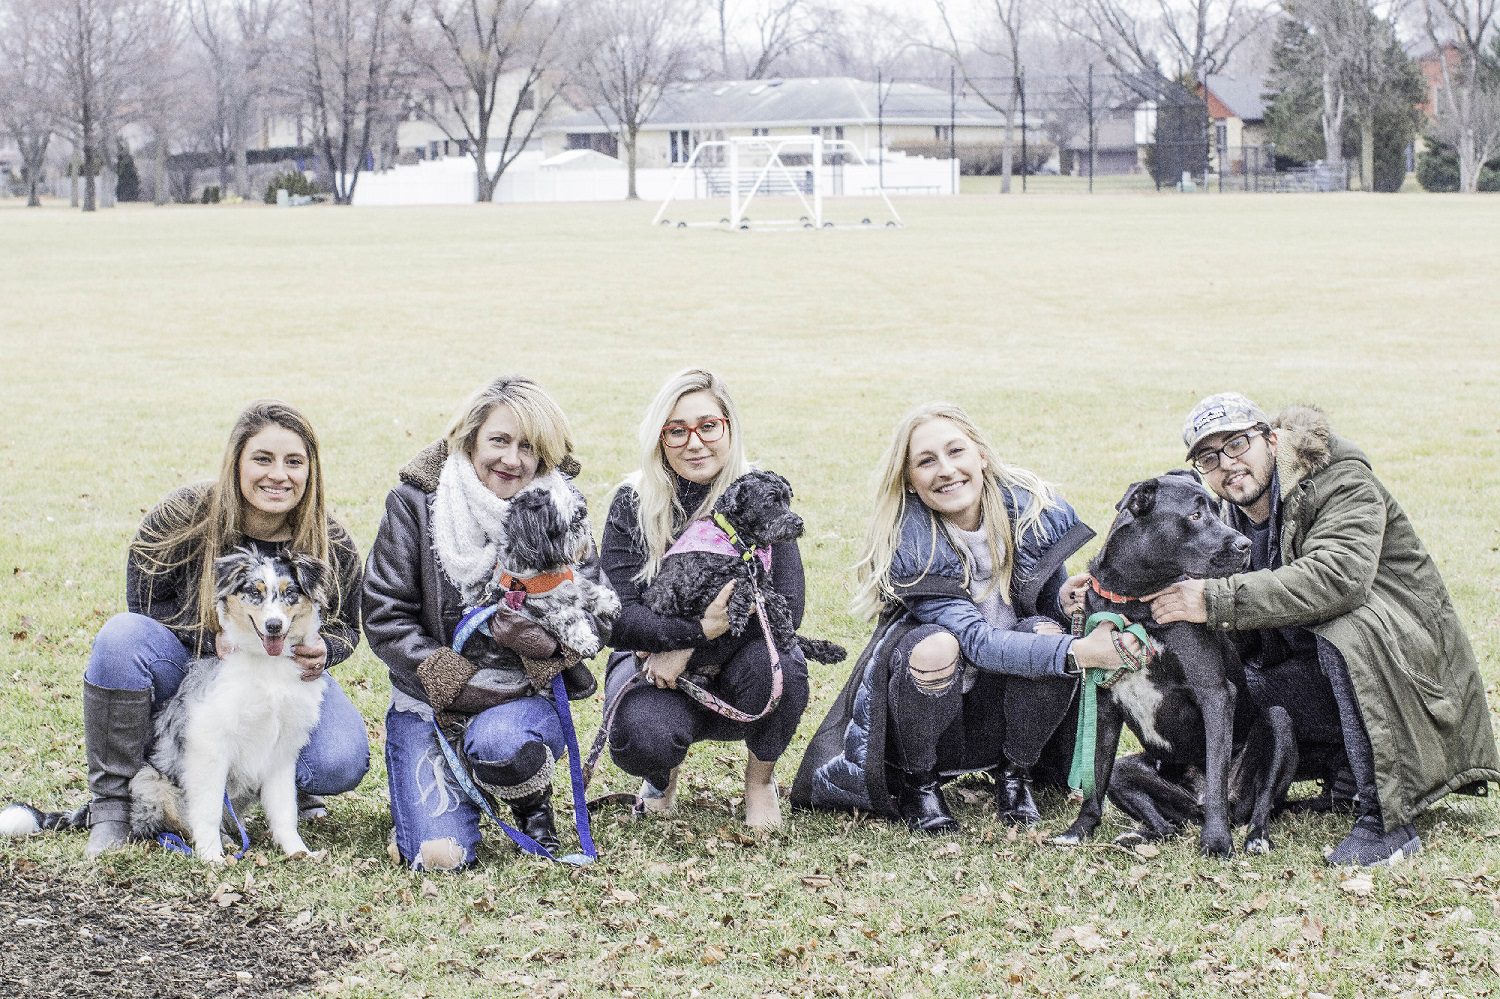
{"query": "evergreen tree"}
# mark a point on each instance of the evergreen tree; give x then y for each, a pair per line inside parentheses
(127, 180)
(1383, 83)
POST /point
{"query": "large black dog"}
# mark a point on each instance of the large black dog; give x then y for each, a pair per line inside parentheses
(758, 507)
(1209, 756)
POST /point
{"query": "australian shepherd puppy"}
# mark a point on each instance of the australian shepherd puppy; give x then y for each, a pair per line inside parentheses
(237, 723)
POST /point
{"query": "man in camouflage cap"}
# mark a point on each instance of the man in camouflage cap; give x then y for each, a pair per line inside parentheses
(1343, 619)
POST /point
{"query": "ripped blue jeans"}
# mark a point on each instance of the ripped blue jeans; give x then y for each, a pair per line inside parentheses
(512, 749)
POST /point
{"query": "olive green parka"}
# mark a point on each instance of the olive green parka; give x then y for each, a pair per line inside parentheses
(1355, 573)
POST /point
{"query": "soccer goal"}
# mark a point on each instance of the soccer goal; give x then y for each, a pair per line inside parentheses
(786, 179)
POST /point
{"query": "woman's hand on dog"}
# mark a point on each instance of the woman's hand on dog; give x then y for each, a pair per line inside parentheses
(1097, 650)
(1070, 597)
(523, 636)
(311, 656)
(716, 619)
(1182, 601)
(663, 668)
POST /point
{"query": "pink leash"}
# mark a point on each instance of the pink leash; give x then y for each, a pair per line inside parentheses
(709, 700)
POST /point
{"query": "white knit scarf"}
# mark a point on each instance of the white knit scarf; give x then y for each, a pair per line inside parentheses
(468, 526)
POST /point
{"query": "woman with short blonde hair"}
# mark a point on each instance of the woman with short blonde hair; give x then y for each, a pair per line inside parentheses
(692, 448)
(436, 555)
(969, 668)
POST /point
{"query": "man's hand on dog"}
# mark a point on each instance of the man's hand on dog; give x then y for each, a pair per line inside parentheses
(311, 656)
(716, 619)
(1179, 602)
(523, 636)
(663, 668)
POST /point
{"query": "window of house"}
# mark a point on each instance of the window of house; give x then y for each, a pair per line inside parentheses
(760, 131)
(682, 145)
(1221, 135)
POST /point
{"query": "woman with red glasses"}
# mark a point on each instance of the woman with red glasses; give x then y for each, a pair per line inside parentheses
(691, 450)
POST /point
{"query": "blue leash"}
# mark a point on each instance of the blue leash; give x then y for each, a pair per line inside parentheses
(467, 626)
(174, 842)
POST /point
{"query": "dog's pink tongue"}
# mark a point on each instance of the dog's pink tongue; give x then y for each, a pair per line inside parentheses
(273, 646)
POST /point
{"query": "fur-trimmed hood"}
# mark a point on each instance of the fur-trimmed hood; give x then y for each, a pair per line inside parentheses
(1306, 444)
(425, 468)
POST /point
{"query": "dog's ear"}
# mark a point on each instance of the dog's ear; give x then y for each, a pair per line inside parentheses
(785, 484)
(311, 576)
(230, 570)
(1141, 499)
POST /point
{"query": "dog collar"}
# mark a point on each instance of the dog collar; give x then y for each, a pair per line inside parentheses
(1114, 598)
(535, 585)
(746, 552)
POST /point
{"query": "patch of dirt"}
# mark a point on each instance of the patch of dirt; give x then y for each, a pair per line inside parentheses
(71, 940)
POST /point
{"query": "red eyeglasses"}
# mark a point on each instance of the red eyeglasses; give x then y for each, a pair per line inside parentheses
(708, 429)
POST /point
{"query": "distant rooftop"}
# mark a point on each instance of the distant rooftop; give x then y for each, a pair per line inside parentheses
(1245, 98)
(796, 103)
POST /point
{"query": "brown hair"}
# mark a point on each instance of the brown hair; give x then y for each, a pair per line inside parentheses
(194, 526)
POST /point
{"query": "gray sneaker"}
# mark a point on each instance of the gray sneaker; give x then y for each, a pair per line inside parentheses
(310, 807)
(1369, 845)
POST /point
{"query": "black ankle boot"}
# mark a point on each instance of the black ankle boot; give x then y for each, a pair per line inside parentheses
(534, 818)
(1013, 797)
(919, 799)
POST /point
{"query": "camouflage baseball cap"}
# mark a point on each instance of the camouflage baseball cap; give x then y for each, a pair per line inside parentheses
(1218, 414)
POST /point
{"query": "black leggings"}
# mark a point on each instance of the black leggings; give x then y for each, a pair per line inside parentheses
(942, 727)
(1319, 695)
(654, 728)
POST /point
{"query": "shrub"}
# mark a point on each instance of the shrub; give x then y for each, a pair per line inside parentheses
(211, 195)
(295, 183)
(127, 180)
(1437, 168)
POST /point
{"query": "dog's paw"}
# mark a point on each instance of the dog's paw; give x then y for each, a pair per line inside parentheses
(1258, 845)
(1216, 845)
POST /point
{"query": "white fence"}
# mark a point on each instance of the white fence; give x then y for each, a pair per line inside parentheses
(584, 175)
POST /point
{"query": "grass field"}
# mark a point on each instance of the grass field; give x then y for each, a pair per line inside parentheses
(1078, 331)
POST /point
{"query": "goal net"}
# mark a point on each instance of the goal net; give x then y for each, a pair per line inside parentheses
(777, 181)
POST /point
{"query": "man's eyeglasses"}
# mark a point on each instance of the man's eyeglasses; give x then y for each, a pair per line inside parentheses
(675, 435)
(1208, 461)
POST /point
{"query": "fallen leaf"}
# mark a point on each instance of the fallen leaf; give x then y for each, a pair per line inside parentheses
(1360, 885)
(712, 955)
(1312, 929)
(817, 881)
(1147, 850)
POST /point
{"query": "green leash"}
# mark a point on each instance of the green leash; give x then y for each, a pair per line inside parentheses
(1081, 776)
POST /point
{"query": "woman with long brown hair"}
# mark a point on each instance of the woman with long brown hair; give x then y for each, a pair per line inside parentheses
(268, 497)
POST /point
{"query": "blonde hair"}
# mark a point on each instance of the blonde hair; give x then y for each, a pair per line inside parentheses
(196, 525)
(659, 513)
(874, 590)
(541, 420)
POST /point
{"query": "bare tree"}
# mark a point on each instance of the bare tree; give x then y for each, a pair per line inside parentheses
(236, 38)
(27, 84)
(757, 36)
(992, 54)
(468, 50)
(347, 60)
(95, 48)
(1469, 112)
(630, 52)
(1187, 38)
(163, 87)
(1334, 25)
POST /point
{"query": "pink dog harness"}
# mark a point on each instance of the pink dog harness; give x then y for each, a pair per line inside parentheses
(714, 536)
